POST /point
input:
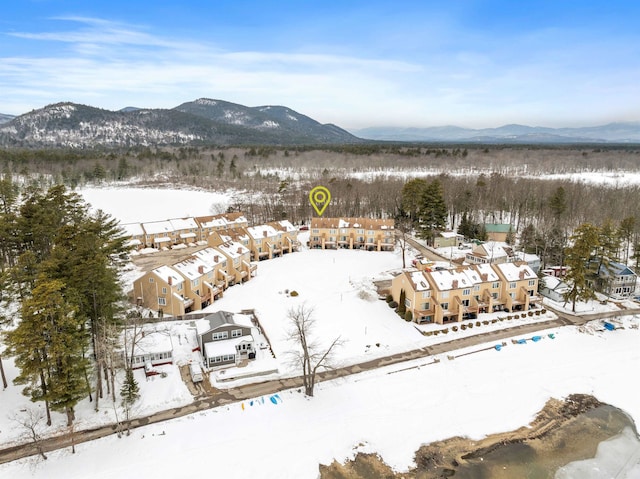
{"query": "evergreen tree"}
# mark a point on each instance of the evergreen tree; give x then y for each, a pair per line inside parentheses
(402, 308)
(558, 203)
(585, 241)
(129, 392)
(433, 210)
(412, 197)
(625, 233)
(48, 346)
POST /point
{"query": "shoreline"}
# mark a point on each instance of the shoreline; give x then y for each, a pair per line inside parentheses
(562, 432)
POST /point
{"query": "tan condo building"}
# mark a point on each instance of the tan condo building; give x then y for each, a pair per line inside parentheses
(352, 233)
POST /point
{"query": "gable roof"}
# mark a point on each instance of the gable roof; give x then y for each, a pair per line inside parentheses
(615, 269)
(513, 271)
(190, 267)
(485, 268)
(168, 274)
(444, 279)
(222, 318)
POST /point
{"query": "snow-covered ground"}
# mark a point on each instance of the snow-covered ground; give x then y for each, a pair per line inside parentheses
(137, 205)
(392, 414)
(375, 411)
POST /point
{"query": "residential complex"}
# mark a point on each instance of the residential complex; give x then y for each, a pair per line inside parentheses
(352, 233)
(453, 295)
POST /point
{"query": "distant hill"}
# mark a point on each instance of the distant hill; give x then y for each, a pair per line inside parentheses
(628, 132)
(5, 118)
(203, 121)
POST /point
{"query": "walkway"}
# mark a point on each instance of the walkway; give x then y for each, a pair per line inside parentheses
(269, 387)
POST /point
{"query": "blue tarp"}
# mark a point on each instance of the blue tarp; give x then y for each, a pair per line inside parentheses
(498, 347)
(536, 338)
(608, 326)
(521, 341)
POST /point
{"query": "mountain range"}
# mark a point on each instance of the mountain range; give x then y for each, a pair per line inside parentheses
(627, 132)
(206, 121)
(203, 121)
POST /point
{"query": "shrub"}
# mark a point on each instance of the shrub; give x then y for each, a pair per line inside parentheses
(478, 323)
(494, 321)
(408, 316)
(501, 319)
(509, 318)
(537, 312)
(445, 331)
(463, 326)
(523, 315)
(530, 313)
(393, 305)
(544, 311)
(428, 333)
(470, 325)
(436, 332)
(389, 298)
(485, 322)
(455, 329)
(293, 293)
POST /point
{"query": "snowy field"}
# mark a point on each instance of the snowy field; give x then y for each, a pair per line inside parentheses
(392, 414)
(137, 205)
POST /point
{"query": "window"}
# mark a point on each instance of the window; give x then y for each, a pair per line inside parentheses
(369, 233)
(476, 288)
(466, 292)
(360, 232)
(195, 282)
(465, 302)
(530, 292)
(426, 294)
(150, 280)
(220, 335)
(495, 285)
(332, 232)
(162, 302)
(445, 294)
(532, 282)
(425, 306)
(164, 290)
(494, 295)
(512, 285)
(315, 231)
(407, 302)
(444, 306)
(236, 333)
(179, 288)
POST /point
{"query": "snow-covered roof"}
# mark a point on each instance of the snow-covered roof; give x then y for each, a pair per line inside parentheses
(553, 283)
(149, 341)
(233, 249)
(132, 229)
(445, 279)
(166, 272)
(449, 234)
(262, 231)
(183, 224)
(211, 256)
(418, 279)
(512, 271)
(193, 267)
(495, 249)
(225, 346)
(222, 318)
(486, 268)
(287, 226)
(158, 227)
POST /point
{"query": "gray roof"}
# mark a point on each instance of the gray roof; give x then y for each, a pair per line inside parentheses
(219, 318)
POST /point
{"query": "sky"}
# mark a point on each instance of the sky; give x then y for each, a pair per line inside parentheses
(471, 63)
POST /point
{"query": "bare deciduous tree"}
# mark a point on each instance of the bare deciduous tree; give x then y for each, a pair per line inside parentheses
(31, 421)
(308, 354)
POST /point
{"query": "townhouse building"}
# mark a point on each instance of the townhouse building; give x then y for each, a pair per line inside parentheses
(352, 233)
(462, 293)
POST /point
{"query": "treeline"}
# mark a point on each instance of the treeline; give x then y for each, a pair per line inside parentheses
(60, 264)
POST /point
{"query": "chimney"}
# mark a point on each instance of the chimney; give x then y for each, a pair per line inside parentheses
(239, 249)
(200, 269)
(215, 258)
(484, 276)
(170, 280)
(264, 233)
(522, 274)
(454, 284)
